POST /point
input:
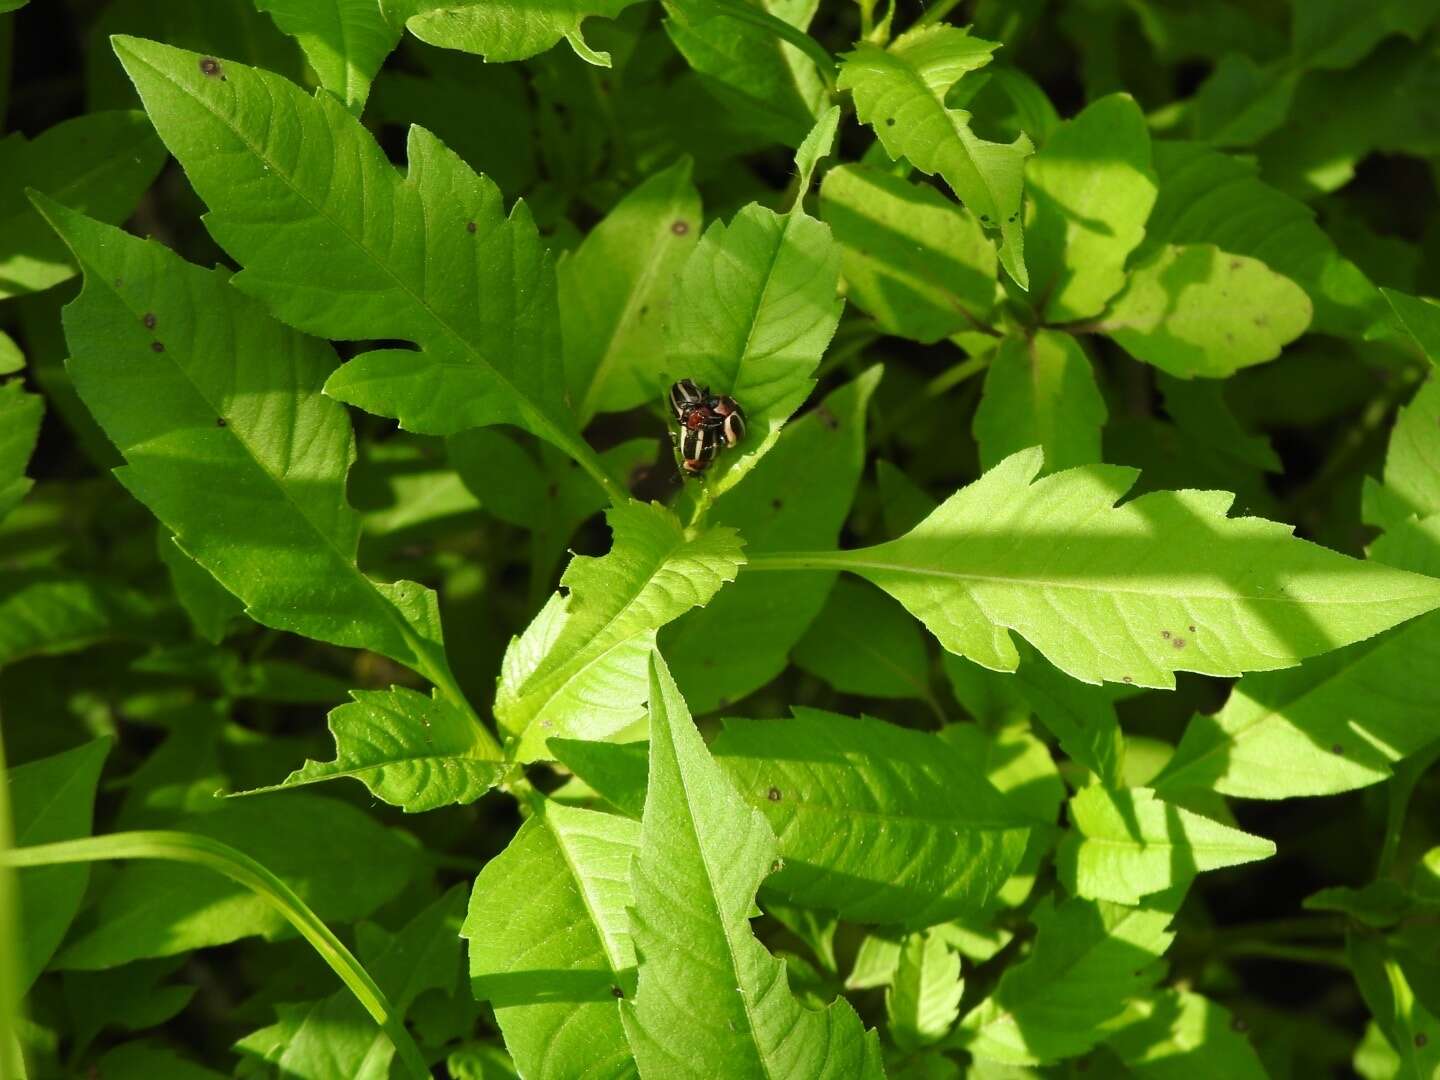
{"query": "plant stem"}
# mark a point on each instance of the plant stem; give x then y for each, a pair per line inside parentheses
(937, 11)
(1302, 954)
(240, 868)
(798, 560)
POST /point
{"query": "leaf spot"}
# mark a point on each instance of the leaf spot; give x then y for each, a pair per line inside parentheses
(1421, 1039)
(470, 226)
(1165, 634)
(776, 504)
(1178, 642)
(1192, 629)
(220, 421)
(827, 418)
(889, 121)
(615, 991)
(210, 67)
(773, 794)
(149, 320)
(1235, 264)
(1126, 678)
(680, 228)
(1338, 749)
(157, 346)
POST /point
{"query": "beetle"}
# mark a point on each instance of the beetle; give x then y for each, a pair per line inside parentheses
(706, 422)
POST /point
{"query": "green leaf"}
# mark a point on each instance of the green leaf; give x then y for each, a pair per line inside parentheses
(1196, 310)
(46, 613)
(345, 41)
(862, 642)
(615, 294)
(505, 30)
(923, 998)
(51, 799)
(1408, 1024)
(163, 908)
(1412, 459)
(1337, 34)
(900, 92)
(20, 416)
(1241, 102)
(1090, 957)
(1380, 904)
(903, 502)
(579, 669)
(1091, 188)
(918, 264)
(441, 265)
(1333, 724)
(1127, 844)
(1133, 593)
(100, 163)
(411, 751)
(1179, 1035)
(1040, 391)
(751, 314)
(818, 145)
(11, 358)
(1210, 198)
(1421, 320)
(876, 822)
(708, 991)
(130, 998)
(142, 1059)
(228, 440)
(798, 496)
(615, 771)
(333, 1036)
(549, 944)
(1081, 717)
(208, 604)
(771, 87)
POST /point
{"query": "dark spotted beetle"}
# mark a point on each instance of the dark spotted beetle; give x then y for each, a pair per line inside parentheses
(708, 423)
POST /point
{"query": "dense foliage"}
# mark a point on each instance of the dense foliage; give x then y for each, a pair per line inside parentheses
(1042, 675)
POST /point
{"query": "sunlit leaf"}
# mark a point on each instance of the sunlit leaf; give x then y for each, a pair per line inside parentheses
(510, 30)
(345, 41)
(923, 998)
(1040, 391)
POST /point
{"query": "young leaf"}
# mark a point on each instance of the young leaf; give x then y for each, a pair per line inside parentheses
(798, 496)
(1335, 723)
(900, 92)
(1179, 1035)
(818, 145)
(771, 86)
(503, 31)
(614, 771)
(919, 265)
(165, 908)
(923, 998)
(753, 310)
(345, 41)
(1210, 198)
(708, 991)
(615, 294)
(20, 415)
(876, 822)
(51, 799)
(579, 669)
(549, 945)
(1040, 391)
(862, 642)
(100, 163)
(1089, 958)
(441, 265)
(333, 1036)
(411, 751)
(1091, 188)
(227, 438)
(1164, 583)
(1127, 844)
(1196, 310)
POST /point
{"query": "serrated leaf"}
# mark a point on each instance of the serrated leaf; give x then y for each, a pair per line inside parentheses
(1179, 1035)
(614, 771)
(708, 990)
(1091, 188)
(1335, 723)
(228, 440)
(876, 822)
(1420, 318)
(50, 799)
(578, 671)
(818, 145)
(334, 1036)
(903, 502)
(345, 41)
(100, 163)
(753, 310)
(900, 92)
(913, 260)
(1040, 391)
(20, 415)
(1089, 958)
(549, 944)
(1412, 456)
(1112, 593)
(1196, 310)
(1125, 844)
(615, 294)
(320, 258)
(410, 750)
(799, 495)
(1081, 717)
(47, 613)
(770, 85)
(505, 30)
(208, 604)
(862, 642)
(923, 998)
(1210, 198)
(163, 908)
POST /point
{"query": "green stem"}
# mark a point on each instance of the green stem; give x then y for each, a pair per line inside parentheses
(937, 11)
(1303, 954)
(798, 560)
(240, 868)
(739, 9)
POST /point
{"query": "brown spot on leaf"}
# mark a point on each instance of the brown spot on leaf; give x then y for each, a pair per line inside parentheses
(1235, 264)
(827, 418)
(149, 320)
(1238, 1024)
(1165, 634)
(470, 226)
(220, 421)
(210, 68)
(1337, 749)
(773, 794)
(1178, 642)
(1126, 678)
(776, 504)
(157, 346)
(615, 991)
(1192, 629)
(680, 228)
